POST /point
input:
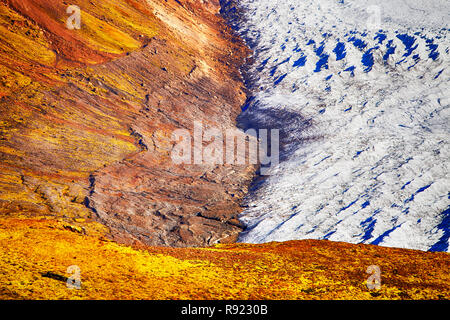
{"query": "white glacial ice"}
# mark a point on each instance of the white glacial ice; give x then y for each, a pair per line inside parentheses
(361, 90)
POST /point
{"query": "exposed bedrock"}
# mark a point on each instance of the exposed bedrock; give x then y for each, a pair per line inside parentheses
(87, 116)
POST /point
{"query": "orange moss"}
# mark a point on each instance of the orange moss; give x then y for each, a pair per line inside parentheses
(291, 270)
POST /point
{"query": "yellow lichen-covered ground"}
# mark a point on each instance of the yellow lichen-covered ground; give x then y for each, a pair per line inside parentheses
(33, 247)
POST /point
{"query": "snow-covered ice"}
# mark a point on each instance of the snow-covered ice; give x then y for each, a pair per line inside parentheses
(361, 90)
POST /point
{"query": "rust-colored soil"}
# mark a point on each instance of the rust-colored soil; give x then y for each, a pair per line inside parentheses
(32, 248)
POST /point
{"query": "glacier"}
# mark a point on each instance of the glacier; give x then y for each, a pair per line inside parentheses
(359, 90)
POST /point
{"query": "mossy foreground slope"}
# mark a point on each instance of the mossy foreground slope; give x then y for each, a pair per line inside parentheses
(34, 248)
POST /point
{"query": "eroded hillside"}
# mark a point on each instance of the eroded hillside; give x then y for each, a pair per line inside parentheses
(87, 116)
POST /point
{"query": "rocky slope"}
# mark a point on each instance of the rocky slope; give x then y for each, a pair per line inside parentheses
(87, 116)
(359, 88)
(85, 125)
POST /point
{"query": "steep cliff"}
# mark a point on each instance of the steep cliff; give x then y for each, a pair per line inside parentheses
(87, 116)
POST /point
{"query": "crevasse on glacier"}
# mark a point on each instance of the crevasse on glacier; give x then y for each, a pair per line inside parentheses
(364, 118)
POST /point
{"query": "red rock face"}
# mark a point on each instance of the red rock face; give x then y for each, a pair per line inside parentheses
(87, 115)
(146, 197)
